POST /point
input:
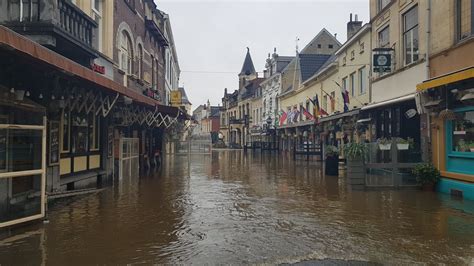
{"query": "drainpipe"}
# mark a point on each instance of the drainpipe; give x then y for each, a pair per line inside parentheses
(428, 44)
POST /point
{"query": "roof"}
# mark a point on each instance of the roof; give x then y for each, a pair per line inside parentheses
(324, 31)
(323, 68)
(215, 111)
(249, 89)
(354, 37)
(247, 67)
(184, 96)
(310, 64)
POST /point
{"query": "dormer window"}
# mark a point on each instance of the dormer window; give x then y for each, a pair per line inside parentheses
(330, 46)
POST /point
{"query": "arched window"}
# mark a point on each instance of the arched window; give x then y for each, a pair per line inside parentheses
(140, 61)
(126, 53)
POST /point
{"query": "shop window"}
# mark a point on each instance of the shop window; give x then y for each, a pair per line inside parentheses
(66, 133)
(79, 128)
(462, 132)
(410, 35)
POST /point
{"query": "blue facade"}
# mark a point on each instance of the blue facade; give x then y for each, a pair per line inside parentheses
(447, 185)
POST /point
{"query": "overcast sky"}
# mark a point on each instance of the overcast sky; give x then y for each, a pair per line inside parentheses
(211, 36)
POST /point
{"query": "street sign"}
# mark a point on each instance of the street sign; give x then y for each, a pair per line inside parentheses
(382, 63)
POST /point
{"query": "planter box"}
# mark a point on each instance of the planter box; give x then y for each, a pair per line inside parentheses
(356, 174)
(332, 165)
(385, 147)
(404, 146)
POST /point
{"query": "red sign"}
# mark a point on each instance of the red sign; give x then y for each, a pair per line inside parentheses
(98, 69)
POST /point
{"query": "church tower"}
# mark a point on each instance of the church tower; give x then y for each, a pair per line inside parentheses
(248, 72)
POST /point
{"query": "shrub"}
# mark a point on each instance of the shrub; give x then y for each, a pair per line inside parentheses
(355, 150)
(426, 174)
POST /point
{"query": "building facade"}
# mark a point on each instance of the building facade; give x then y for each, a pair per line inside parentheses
(449, 87)
(89, 93)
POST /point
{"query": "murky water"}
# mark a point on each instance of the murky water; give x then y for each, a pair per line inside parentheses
(234, 208)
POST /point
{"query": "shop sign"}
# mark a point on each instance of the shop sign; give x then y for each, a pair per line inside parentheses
(175, 98)
(152, 94)
(382, 63)
(97, 68)
(256, 130)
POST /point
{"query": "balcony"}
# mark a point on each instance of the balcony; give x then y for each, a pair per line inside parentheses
(58, 24)
(153, 27)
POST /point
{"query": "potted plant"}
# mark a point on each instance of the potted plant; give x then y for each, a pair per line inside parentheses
(427, 176)
(471, 146)
(355, 154)
(402, 144)
(384, 144)
(332, 160)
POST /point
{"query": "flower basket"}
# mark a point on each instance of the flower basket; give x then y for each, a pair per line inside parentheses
(403, 146)
(385, 147)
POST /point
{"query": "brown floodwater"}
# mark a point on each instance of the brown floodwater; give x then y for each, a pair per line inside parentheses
(231, 207)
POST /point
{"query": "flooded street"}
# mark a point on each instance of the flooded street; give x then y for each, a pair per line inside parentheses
(231, 207)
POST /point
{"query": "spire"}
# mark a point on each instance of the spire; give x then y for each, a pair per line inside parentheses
(247, 68)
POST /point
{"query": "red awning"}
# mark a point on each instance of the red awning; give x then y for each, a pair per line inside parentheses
(14, 41)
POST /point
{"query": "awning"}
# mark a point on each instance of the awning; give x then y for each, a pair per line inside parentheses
(13, 41)
(463, 74)
(388, 102)
(340, 115)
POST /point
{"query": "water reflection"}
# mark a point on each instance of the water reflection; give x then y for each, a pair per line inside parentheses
(236, 207)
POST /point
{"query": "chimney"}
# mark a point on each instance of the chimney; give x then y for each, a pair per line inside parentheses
(353, 26)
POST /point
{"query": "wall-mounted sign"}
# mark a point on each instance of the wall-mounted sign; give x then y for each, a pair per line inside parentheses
(382, 63)
(152, 94)
(175, 98)
(97, 68)
(54, 143)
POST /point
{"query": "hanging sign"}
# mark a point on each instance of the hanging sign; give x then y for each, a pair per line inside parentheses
(382, 63)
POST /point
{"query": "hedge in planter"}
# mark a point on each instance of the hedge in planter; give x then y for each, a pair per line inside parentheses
(427, 176)
(355, 154)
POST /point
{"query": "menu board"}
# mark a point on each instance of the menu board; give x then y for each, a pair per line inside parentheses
(53, 143)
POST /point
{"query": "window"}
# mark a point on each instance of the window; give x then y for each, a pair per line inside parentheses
(80, 142)
(344, 84)
(384, 38)
(362, 81)
(344, 61)
(333, 101)
(319, 45)
(410, 35)
(152, 72)
(464, 22)
(126, 53)
(97, 16)
(24, 10)
(140, 61)
(325, 102)
(352, 55)
(94, 132)
(330, 46)
(381, 4)
(361, 47)
(352, 80)
(462, 132)
(66, 133)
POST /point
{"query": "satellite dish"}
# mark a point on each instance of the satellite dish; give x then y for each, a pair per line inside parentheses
(410, 113)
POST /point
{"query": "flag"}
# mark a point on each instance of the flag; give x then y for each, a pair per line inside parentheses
(307, 114)
(283, 117)
(316, 107)
(296, 113)
(345, 97)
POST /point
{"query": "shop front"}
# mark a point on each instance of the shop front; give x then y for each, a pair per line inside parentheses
(449, 101)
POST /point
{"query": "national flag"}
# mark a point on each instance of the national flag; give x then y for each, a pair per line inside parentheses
(307, 114)
(296, 113)
(316, 107)
(283, 117)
